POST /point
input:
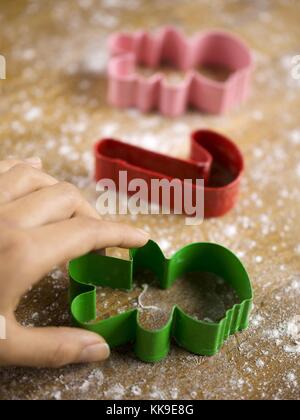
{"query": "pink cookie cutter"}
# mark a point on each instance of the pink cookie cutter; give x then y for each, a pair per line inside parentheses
(127, 88)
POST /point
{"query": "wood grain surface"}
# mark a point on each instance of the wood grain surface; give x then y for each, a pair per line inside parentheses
(52, 104)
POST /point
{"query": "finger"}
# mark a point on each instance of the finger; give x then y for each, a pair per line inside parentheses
(51, 347)
(61, 242)
(48, 205)
(20, 180)
(5, 165)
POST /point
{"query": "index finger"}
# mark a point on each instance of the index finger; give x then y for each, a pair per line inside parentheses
(63, 241)
(6, 165)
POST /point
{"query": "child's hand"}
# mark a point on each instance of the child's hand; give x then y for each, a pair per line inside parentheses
(44, 223)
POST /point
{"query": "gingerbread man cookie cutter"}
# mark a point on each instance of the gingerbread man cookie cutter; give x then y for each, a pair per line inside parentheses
(196, 336)
(127, 88)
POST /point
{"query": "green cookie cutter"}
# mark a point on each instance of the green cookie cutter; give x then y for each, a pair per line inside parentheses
(199, 337)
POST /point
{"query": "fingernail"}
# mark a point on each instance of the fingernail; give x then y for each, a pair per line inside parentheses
(94, 353)
(144, 233)
(35, 161)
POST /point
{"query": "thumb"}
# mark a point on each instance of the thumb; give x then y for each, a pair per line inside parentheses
(51, 347)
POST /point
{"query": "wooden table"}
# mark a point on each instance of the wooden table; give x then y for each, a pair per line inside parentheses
(53, 105)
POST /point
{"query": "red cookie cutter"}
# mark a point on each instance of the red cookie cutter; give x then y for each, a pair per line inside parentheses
(126, 88)
(213, 157)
